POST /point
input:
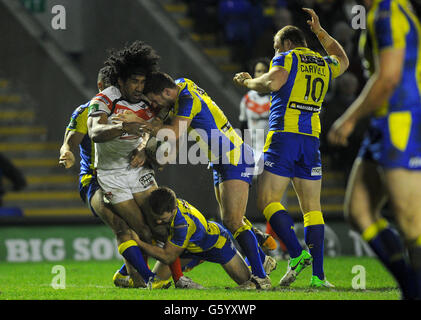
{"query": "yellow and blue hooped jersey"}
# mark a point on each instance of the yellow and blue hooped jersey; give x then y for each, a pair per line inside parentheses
(296, 106)
(209, 124)
(393, 24)
(79, 123)
(190, 230)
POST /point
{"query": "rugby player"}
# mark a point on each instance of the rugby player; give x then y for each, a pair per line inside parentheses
(230, 158)
(76, 135)
(192, 238)
(254, 115)
(388, 166)
(298, 80)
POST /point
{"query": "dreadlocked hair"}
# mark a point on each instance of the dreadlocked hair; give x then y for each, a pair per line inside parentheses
(137, 58)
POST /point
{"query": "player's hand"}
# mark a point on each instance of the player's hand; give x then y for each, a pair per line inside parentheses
(239, 78)
(340, 131)
(67, 159)
(137, 158)
(314, 23)
(126, 116)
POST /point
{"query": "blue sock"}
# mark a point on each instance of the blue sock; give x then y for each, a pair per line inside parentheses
(248, 243)
(387, 244)
(261, 254)
(123, 270)
(314, 238)
(414, 250)
(283, 225)
(314, 235)
(133, 255)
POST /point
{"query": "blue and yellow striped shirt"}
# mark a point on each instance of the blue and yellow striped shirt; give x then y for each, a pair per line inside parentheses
(296, 106)
(190, 230)
(209, 126)
(79, 123)
(393, 24)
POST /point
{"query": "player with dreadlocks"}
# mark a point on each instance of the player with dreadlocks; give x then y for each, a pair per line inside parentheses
(120, 161)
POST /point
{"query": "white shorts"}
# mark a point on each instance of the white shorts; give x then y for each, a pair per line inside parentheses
(120, 184)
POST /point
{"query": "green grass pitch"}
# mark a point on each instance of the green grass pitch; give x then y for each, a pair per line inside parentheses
(93, 281)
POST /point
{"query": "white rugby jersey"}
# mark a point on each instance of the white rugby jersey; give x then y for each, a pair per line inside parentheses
(254, 108)
(114, 154)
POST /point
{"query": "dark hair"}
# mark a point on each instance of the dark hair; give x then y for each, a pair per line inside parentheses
(263, 60)
(162, 200)
(137, 58)
(156, 82)
(105, 75)
(294, 34)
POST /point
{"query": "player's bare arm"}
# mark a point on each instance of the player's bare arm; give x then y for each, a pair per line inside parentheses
(332, 47)
(270, 81)
(378, 89)
(101, 131)
(130, 117)
(166, 255)
(72, 139)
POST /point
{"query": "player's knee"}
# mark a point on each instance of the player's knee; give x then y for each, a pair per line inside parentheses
(122, 234)
(263, 201)
(231, 223)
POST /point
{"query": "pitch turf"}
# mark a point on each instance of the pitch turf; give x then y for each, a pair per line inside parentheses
(93, 281)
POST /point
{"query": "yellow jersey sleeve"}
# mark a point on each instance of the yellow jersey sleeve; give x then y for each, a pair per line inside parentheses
(79, 120)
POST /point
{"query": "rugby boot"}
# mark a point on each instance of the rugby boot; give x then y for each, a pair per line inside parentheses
(269, 264)
(315, 282)
(256, 283)
(295, 266)
(187, 283)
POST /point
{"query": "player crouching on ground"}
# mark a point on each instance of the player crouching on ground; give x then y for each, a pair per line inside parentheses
(192, 237)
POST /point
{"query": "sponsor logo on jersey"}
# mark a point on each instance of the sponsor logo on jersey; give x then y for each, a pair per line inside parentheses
(304, 107)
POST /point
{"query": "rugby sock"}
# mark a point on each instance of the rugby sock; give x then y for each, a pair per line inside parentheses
(314, 235)
(283, 225)
(387, 245)
(176, 271)
(133, 255)
(270, 231)
(262, 254)
(414, 250)
(123, 270)
(248, 243)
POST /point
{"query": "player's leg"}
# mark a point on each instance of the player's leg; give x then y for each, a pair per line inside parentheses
(405, 195)
(308, 193)
(159, 232)
(237, 269)
(364, 198)
(365, 195)
(270, 189)
(126, 239)
(233, 202)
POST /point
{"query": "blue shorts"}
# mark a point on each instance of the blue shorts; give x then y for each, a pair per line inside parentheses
(221, 255)
(293, 155)
(88, 190)
(394, 141)
(244, 170)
